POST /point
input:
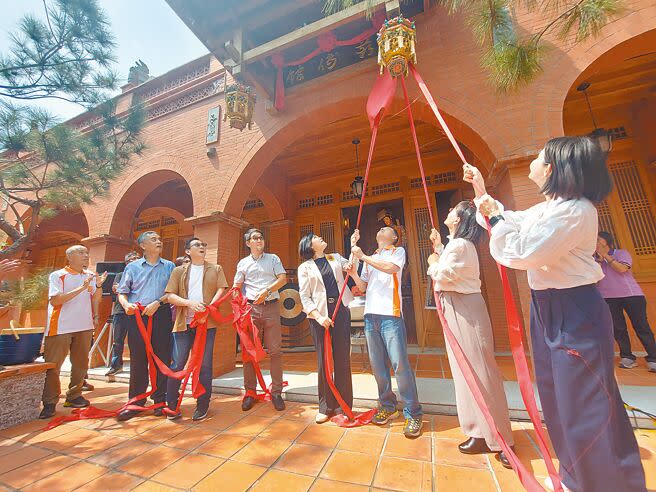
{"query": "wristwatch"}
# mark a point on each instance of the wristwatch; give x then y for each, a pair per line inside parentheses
(161, 303)
(494, 220)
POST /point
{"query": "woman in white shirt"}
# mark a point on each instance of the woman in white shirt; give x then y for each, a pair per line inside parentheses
(456, 275)
(320, 280)
(571, 326)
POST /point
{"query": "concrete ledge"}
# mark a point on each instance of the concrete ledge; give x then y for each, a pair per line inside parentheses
(21, 389)
(437, 396)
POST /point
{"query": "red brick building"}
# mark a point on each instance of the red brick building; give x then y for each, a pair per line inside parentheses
(291, 172)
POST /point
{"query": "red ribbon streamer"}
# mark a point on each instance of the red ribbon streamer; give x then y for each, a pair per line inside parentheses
(515, 329)
(252, 353)
(326, 42)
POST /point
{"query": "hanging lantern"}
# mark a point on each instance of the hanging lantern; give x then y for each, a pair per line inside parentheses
(396, 46)
(240, 103)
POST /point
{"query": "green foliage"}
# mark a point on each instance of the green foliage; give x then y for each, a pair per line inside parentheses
(66, 55)
(31, 294)
(47, 165)
(511, 60)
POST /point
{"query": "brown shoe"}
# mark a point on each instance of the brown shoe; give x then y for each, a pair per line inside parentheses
(503, 459)
(474, 445)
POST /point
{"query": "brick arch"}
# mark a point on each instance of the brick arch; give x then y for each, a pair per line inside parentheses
(131, 196)
(280, 132)
(114, 215)
(566, 69)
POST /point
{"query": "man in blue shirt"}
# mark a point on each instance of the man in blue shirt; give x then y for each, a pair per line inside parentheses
(144, 282)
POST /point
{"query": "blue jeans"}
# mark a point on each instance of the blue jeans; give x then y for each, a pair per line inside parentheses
(183, 341)
(386, 339)
(120, 323)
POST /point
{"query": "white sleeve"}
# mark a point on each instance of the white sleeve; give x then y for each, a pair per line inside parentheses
(240, 275)
(514, 218)
(398, 257)
(55, 285)
(446, 270)
(304, 290)
(550, 238)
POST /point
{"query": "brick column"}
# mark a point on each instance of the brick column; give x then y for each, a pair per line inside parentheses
(222, 233)
(104, 248)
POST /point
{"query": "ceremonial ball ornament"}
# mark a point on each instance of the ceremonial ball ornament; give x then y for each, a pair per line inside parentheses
(396, 46)
(240, 103)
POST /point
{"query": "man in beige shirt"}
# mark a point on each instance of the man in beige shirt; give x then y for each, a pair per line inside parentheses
(192, 287)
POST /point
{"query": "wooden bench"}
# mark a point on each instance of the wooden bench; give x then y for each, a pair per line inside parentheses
(21, 388)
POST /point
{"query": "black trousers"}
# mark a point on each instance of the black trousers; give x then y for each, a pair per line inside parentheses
(636, 309)
(341, 337)
(161, 342)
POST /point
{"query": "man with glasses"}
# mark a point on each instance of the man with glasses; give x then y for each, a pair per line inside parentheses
(143, 282)
(192, 287)
(259, 276)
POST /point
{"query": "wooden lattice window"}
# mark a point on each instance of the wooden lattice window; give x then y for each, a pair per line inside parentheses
(324, 199)
(618, 133)
(416, 182)
(422, 231)
(306, 202)
(305, 230)
(253, 203)
(327, 232)
(606, 221)
(381, 189)
(636, 207)
(348, 195)
(446, 177)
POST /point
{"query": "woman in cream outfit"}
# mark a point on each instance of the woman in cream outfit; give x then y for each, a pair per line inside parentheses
(455, 270)
(320, 279)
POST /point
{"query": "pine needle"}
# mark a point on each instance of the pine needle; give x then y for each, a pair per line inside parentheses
(513, 65)
(588, 17)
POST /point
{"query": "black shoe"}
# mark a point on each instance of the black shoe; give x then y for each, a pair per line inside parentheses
(158, 412)
(48, 411)
(88, 386)
(200, 413)
(127, 415)
(175, 415)
(278, 402)
(501, 457)
(247, 403)
(113, 371)
(474, 445)
(79, 402)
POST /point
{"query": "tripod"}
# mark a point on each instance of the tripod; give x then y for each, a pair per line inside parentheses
(109, 326)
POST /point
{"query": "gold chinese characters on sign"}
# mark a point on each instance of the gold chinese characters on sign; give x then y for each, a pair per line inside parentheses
(240, 104)
(396, 46)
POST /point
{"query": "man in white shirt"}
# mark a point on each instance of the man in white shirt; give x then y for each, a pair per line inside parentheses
(192, 287)
(259, 276)
(73, 294)
(385, 330)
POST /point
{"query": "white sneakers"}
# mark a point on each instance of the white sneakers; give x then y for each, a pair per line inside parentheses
(651, 366)
(626, 363)
(321, 418)
(549, 484)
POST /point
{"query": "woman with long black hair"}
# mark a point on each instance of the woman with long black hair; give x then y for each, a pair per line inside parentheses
(456, 274)
(571, 325)
(320, 279)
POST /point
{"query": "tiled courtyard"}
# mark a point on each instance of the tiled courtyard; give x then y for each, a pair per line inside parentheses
(258, 450)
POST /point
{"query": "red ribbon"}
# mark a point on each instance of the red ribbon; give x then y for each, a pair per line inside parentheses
(326, 42)
(379, 100)
(252, 353)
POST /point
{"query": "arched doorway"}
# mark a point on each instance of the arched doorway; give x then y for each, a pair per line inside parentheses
(622, 100)
(167, 201)
(311, 179)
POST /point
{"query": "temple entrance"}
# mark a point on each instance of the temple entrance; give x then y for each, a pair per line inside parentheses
(374, 216)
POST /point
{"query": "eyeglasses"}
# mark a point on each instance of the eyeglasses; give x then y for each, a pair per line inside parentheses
(198, 245)
(257, 238)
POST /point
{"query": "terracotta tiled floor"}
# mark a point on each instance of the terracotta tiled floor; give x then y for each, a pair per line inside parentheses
(437, 366)
(259, 450)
